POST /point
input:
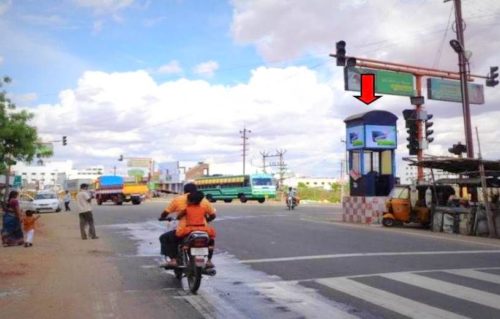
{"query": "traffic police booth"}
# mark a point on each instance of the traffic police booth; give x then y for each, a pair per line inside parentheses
(371, 141)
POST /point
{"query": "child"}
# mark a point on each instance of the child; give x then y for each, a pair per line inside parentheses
(196, 219)
(29, 227)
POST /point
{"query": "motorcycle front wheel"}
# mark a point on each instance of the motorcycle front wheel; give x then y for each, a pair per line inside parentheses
(194, 277)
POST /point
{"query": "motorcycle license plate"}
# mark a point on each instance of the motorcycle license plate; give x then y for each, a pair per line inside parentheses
(199, 251)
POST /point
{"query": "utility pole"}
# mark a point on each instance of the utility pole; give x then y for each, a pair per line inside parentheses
(244, 135)
(264, 156)
(281, 166)
(462, 63)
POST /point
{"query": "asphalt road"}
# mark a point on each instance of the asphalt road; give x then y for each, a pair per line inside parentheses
(276, 263)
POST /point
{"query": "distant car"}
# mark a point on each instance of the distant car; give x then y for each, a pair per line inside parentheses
(47, 202)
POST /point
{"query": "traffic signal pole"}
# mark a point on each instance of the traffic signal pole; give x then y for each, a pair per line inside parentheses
(419, 73)
(420, 133)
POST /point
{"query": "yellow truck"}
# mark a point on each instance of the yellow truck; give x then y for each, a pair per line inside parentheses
(135, 192)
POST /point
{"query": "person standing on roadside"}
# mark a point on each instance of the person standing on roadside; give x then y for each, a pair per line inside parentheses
(67, 200)
(84, 209)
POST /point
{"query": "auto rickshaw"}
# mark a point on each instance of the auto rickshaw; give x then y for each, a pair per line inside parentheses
(399, 208)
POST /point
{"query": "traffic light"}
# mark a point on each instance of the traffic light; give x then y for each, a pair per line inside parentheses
(64, 141)
(120, 158)
(410, 117)
(340, 46)
(428, 132)
(491, 80)
(458, 149)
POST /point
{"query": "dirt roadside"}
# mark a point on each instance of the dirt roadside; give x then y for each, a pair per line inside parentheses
(62, 276)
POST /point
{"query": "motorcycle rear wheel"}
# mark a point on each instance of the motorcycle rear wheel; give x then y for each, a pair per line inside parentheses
(194, 277)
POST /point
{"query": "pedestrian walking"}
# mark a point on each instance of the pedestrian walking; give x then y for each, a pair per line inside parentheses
(29, 222)
(83, 200)
(67, 200)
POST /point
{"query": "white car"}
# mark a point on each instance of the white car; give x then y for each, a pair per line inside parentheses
(47, 202)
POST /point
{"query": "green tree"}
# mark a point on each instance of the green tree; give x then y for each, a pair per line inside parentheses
(18, 139)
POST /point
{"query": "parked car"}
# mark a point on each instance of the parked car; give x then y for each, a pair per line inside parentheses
(47, 202)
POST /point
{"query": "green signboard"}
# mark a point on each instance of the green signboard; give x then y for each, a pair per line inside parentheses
(18, 181)
(386, 82)
(449, 90)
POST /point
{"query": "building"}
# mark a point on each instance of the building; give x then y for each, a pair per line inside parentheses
(409, 175)
(323, 182)
(53, 174)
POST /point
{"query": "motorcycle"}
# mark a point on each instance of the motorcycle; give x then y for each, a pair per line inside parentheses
(192, 258)
(291, 202)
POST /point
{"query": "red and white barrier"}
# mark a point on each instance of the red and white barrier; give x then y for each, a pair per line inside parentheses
(364, 210)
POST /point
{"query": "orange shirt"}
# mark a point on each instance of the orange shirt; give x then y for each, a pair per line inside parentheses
(195, 220)
(29, 222)
(180, 203)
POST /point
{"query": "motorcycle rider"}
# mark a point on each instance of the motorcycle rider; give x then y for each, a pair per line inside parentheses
(168, 240)
(293, 193)
(196, 218)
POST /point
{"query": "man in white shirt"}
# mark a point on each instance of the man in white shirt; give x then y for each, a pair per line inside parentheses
(84, 209)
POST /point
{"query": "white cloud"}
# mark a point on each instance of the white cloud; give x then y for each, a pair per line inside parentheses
(173, 67)
(206, 69)
(105, 6)
(383, 29)
(1, 59)
(129, 113)
(5, 6)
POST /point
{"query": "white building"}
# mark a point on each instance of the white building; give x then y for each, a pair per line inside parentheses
(53, 173)
(409, 174)
(323, 182)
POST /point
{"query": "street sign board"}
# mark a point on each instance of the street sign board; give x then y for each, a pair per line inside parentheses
(386, 82)
(450, 90)
(18, 181)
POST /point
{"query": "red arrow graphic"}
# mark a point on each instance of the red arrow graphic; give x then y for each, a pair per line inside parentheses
(367, 89)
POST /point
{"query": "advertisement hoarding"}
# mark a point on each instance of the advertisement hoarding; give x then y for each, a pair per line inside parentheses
(450, 91)
(169, 172)
(355, 137)
(381, 136)
(386, 82)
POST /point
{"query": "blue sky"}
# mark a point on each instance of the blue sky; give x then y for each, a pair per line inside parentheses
(145, 35)
(178, 79)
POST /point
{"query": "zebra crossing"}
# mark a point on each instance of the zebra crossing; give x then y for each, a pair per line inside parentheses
(416, 294)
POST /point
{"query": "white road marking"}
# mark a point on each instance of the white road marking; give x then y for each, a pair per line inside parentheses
(443, 287)
(404, 253)
(478, 275)
(302, 300)
(390, 301)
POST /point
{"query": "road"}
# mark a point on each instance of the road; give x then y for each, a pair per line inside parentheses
(273, 263)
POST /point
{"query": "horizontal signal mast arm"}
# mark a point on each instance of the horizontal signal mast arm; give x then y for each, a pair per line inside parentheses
(417, 70)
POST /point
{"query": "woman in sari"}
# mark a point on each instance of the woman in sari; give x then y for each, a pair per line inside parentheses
(12, 234)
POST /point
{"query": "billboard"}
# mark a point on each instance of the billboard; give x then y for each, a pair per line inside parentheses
(381, 136)
(386, 82)
(355, 137)
(450, 90)
(169, 172)
(139, 162)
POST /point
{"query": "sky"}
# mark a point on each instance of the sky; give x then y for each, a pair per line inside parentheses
(179, 79)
